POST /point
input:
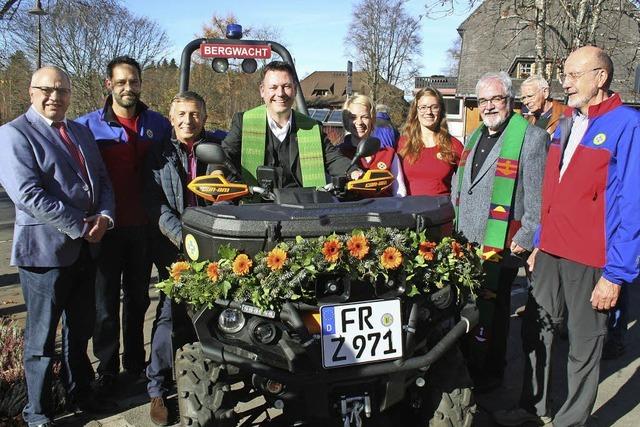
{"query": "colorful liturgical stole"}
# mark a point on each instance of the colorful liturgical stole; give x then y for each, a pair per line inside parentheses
(252, 153)
(504, 185)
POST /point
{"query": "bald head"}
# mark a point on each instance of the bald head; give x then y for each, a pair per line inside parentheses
(50, 92)
(50, 71)
(595, 57)
(588, 73)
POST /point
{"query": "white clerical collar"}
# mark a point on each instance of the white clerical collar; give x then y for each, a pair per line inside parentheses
(279, 132)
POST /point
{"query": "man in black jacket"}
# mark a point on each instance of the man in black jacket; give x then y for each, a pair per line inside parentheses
(170, 167)
(275, 135)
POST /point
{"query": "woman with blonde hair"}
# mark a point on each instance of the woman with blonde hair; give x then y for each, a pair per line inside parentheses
(428, 153)
(359, 118)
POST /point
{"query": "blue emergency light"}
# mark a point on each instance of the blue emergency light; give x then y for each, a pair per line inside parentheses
(234, 31)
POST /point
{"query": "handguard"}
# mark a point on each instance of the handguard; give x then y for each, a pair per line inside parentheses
(216, 188)
(373, 181)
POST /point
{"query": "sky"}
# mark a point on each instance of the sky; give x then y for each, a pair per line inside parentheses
(312, 30)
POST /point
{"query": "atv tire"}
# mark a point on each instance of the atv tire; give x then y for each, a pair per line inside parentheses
(448, 394)
(203, 389)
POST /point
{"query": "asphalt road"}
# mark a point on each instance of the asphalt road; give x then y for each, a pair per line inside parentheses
(618, 401)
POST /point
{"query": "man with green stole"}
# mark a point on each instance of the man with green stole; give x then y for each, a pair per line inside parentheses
(275, 135)
(496, 193)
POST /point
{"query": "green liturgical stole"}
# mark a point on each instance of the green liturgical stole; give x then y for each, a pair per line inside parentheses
(309, 137)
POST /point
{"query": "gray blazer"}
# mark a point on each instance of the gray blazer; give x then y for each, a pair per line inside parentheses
(51, 196)
(475, 197)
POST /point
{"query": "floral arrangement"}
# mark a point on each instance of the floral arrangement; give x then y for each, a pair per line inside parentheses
(287, 272)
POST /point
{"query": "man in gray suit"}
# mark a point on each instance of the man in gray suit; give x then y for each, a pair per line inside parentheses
(53, 173)
(497, 196)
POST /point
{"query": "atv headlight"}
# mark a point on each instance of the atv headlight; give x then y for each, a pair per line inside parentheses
(231, 320)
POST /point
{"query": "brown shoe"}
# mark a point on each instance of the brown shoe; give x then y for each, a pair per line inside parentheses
(159, 413)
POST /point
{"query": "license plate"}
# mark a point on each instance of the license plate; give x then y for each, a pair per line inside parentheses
(360, 333)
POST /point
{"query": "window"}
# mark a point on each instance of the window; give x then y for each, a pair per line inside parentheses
(319, 115)
(335, 117)
(524, 70)
(452, 106)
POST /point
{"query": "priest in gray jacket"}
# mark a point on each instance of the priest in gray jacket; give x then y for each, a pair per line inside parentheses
(496, 192)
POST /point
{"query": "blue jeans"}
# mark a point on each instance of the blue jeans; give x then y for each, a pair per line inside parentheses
(159, 370)
(51, 294)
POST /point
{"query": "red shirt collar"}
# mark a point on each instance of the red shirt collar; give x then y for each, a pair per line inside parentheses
(597, 110)
(605, 106)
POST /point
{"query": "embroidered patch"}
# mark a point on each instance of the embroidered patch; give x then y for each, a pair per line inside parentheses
(507, 168)
(499, 212)
(149, 133)
(599, 139)
(382, 165)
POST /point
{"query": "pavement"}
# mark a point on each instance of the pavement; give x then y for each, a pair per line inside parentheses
(617, 404)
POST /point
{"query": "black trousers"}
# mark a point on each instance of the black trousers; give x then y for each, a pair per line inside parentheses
(124, 263)
(486, 348)
(562, 288)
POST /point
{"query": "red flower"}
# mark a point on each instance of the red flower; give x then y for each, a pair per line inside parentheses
(332, 250)
(457, 249)
(426, 250)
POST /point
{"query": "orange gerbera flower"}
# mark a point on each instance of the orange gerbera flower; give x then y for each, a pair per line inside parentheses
(331, 250)
(242, 264)
(391, 258)
(358, 246)
(177, 268)
(276, 259)
(457, 249)
(426, 250)
(213, 272)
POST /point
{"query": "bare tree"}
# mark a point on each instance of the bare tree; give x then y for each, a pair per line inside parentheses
(8, 8)
(82, 36)
(453, 58)
(561, 26)
(385, 42)
(14, 81)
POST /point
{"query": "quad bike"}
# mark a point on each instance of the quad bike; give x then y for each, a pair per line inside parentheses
(395, 359)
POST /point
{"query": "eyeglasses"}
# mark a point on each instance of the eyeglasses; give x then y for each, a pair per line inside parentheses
(432, 108)
(575, 75)
(527, 97)
(495, 100)
(48, 90)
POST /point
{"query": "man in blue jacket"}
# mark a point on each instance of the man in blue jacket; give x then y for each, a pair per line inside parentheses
(124, 130)
(588, 241)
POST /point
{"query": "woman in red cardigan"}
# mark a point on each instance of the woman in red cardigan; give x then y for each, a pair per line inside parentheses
(359, 117)
(428, 153)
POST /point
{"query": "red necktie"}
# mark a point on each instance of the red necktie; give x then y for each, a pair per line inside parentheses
(73, 149)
